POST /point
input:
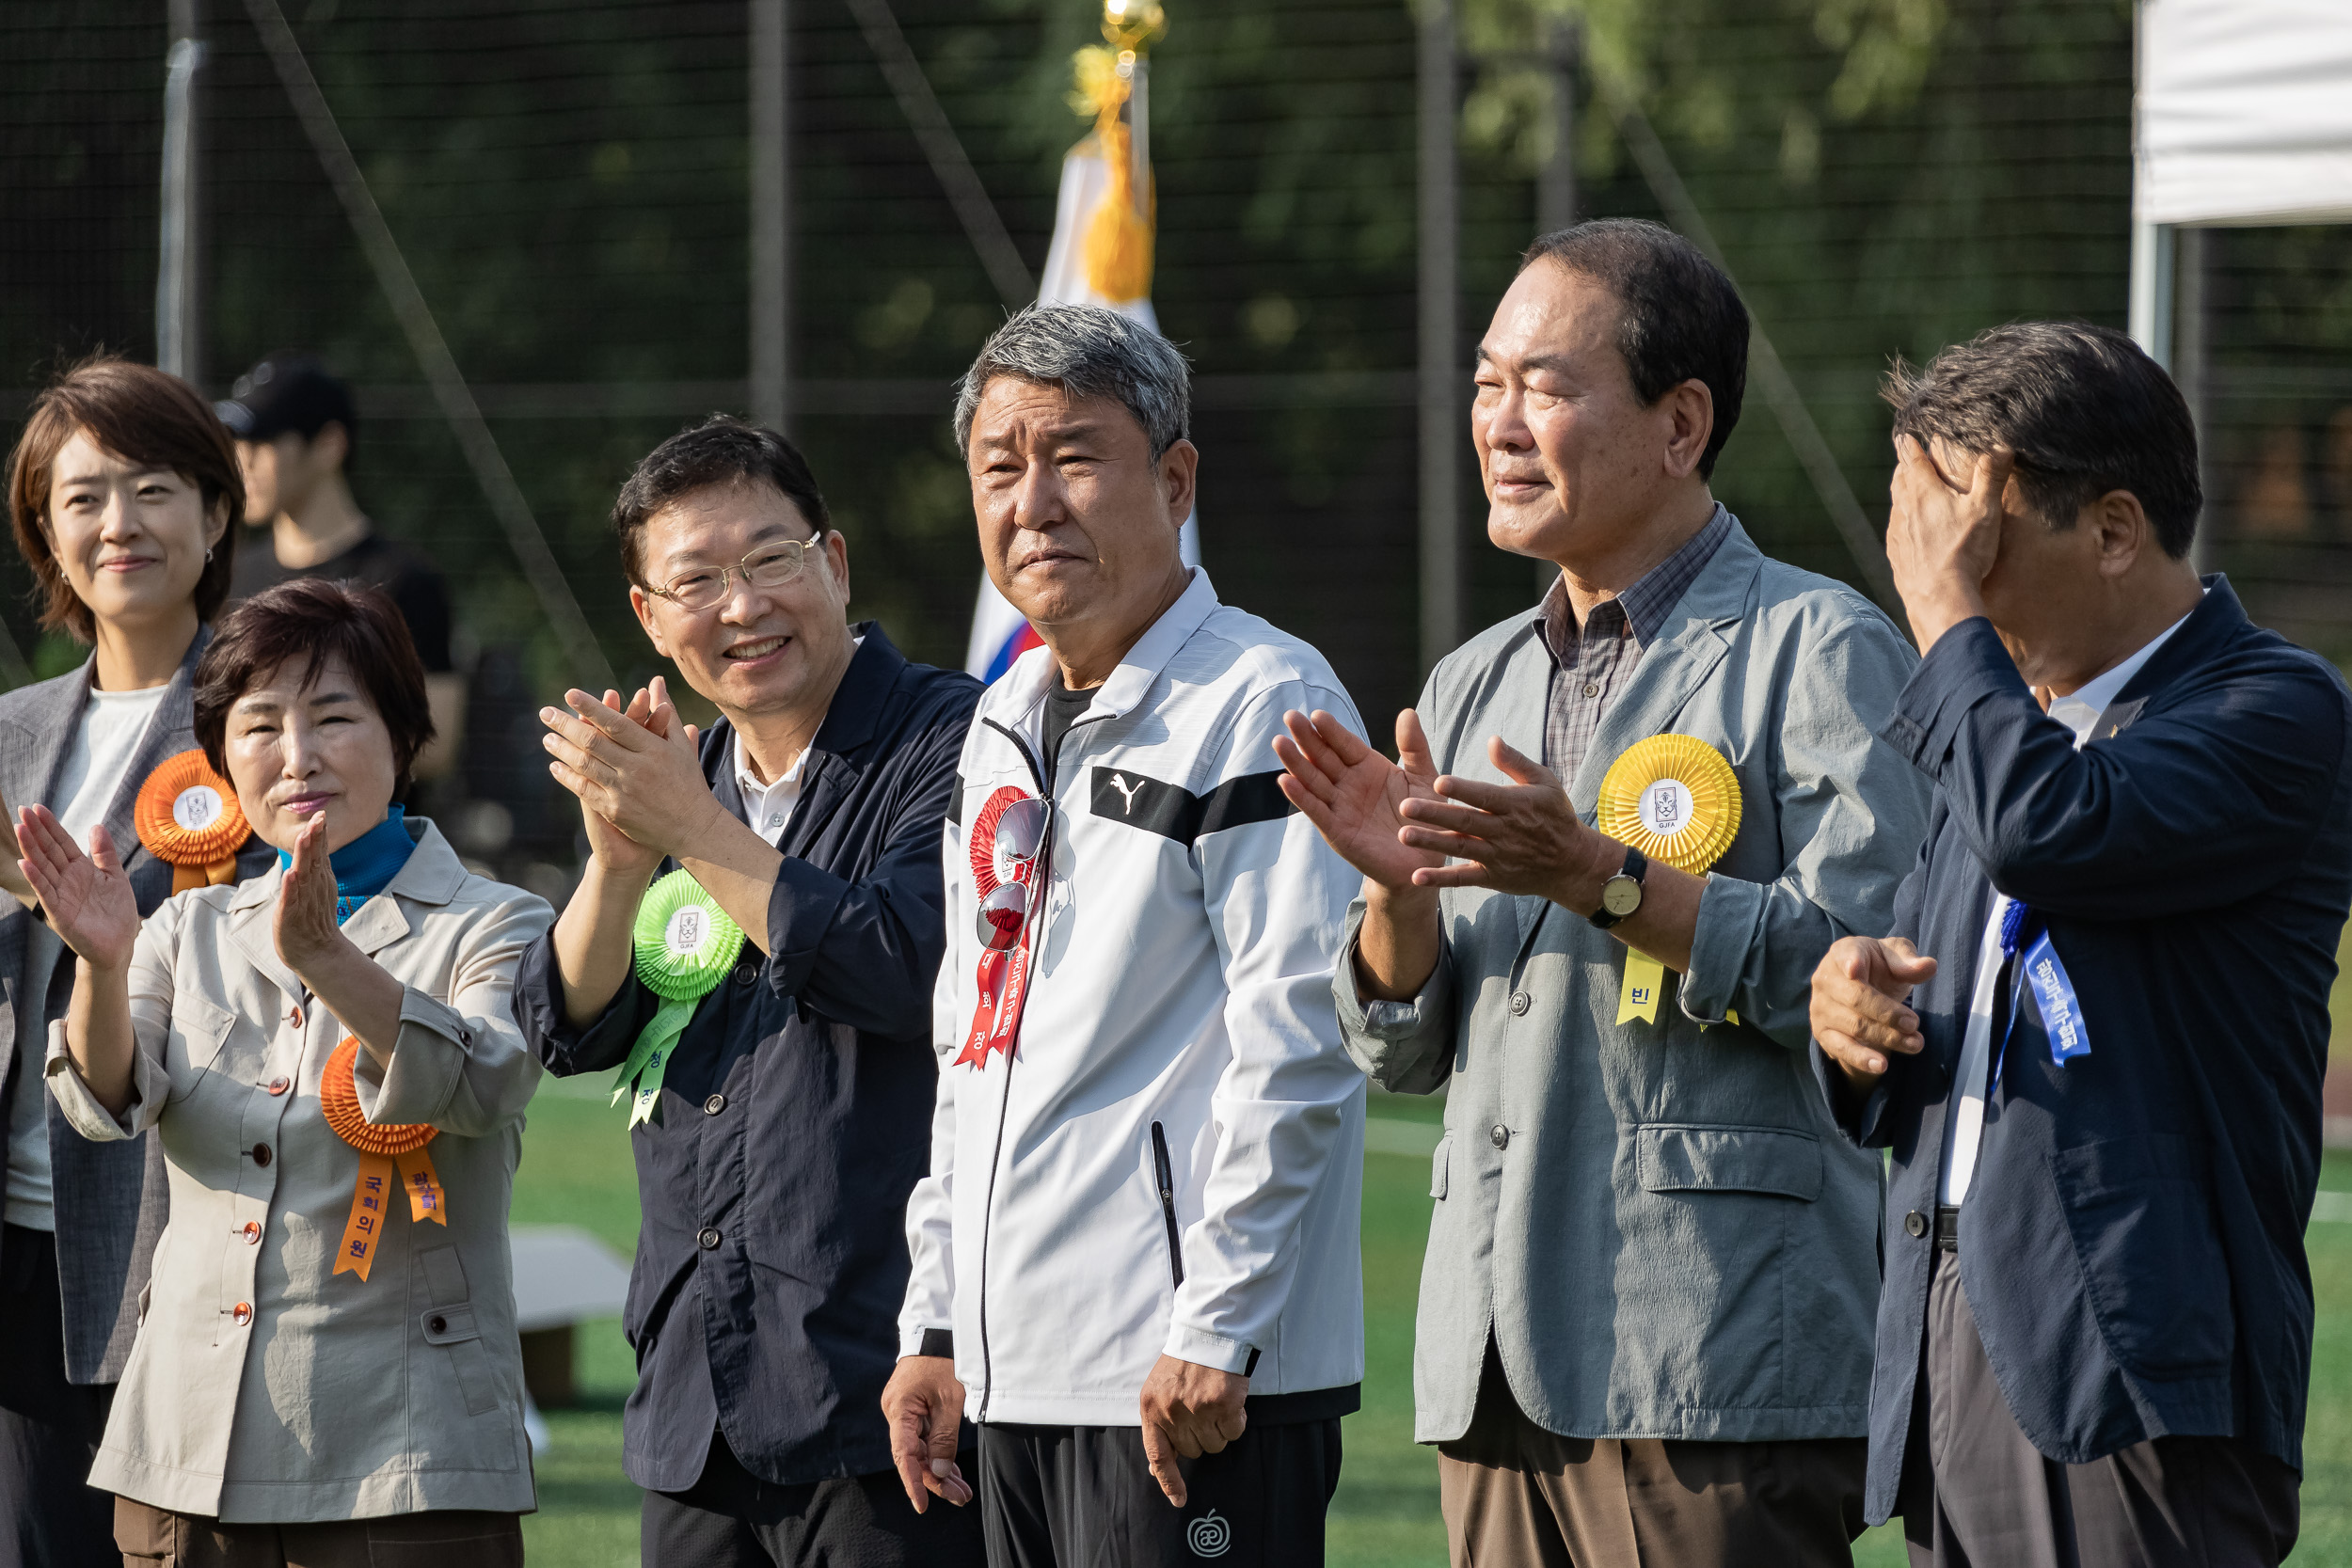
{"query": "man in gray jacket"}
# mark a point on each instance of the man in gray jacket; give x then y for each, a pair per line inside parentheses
(1646, 1309)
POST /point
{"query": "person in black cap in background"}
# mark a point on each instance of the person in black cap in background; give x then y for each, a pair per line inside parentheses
(297, 428)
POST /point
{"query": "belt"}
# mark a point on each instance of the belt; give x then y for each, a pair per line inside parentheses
(1946, 1227)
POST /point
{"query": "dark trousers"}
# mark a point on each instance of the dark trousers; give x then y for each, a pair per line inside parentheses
(50, 1517)
(1518, 1496)
(1976, 1494)
(730, 1518)
(444, 1538)
(1069, 1497)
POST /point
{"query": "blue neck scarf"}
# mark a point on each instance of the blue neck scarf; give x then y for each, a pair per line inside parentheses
(366, 865)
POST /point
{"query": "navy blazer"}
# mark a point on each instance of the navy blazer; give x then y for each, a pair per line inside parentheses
(795, 1114)
(2132, 1247)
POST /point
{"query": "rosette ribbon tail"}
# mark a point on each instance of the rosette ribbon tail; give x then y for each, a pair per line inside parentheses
(363, 1233)
(649, 1058)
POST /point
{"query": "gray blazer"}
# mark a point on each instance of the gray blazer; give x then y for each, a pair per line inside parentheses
(112, 1199)
(1658, 1222)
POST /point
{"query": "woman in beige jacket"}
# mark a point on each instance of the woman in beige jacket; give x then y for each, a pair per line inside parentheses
(328, 1365)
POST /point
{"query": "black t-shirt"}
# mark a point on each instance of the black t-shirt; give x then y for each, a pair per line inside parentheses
(1062, 709)
(416, 589)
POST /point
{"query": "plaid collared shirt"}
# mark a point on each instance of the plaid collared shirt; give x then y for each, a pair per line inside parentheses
(1590, 663)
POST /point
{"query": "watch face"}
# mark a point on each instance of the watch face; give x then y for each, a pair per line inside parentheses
(1621, 895)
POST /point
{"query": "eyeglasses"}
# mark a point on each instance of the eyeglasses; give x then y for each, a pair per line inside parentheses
(772, 565)
(1020, 834)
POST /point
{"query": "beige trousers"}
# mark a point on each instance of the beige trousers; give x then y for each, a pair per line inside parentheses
(448, 1537)
(1518, 1497)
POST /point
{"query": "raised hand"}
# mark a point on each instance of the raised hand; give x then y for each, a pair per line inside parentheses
(88, 897)
(1943, 535)
(1858, 1012)
(1355, 796)
(303, 926)
(640, 775)
(615, 849)
(1523, 837)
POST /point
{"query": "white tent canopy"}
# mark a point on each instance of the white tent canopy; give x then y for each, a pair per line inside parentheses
(2244, 112)
(2243, 116)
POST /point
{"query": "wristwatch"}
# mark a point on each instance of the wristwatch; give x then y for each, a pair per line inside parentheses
(1621, 894)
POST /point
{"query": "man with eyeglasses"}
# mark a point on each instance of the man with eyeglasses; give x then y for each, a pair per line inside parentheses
(789, 1120)
(1135, 1256)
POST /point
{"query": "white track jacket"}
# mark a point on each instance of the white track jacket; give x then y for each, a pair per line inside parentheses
(1172, 1158)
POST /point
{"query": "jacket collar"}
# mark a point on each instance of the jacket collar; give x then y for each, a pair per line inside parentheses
(56, 707)
(2217, 621)
(849, 726)
(1025, 684)
(431, 878)
(1691, 642)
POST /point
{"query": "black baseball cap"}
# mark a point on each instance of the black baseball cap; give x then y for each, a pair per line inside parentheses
(288, 392)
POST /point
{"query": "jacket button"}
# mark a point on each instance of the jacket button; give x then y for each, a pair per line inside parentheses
(241, 1314)
(278, 1085)
(1519, 1002)
(252, 1232)
(1501, 1135)
(260, 1154)
(1915, 1225)
(709, 1237)
(746, 972)
(293, 1015)
(715, 1105)
(437, 1324)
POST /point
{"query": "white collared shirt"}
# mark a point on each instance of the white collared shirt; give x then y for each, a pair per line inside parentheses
(2078, 710)
(768, 807)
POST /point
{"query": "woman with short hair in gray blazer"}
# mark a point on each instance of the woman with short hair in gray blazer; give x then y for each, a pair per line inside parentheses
(122, 491)
(328, 1365)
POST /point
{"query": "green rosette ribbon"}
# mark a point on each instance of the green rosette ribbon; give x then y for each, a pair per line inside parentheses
(686, 944)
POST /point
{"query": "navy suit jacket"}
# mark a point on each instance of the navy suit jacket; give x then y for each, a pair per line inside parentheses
(795, 1114)
(2132, 1247)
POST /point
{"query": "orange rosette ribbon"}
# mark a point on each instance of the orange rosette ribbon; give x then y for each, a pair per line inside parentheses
(188, 816)
(389, 1157)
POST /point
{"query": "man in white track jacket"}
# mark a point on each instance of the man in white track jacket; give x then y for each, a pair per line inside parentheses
(1135, 1257)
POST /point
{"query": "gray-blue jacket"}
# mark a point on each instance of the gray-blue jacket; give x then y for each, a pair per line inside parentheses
(1660, 1224)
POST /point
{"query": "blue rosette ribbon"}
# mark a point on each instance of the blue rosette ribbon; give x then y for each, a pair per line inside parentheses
(685, 945)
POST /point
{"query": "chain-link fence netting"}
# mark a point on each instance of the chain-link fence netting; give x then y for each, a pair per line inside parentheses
(568, 182)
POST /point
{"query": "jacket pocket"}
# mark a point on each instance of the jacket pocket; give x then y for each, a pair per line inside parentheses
(2151, 1255)
(449, 1321)
(1440, 1166)
(198, 1029)
(1689, 1157)
(1164, 1170)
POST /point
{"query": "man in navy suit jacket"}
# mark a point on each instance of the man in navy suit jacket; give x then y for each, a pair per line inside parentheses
(2094, 1040)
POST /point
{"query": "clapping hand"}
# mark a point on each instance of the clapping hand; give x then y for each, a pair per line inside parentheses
(640, 783)
(1355, 796)
(88, 897)
(304, 925)
(1523, 837)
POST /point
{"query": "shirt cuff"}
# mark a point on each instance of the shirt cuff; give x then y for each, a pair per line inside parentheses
(1730, 912)
(1213, 1351)
(801, 911)
(149, 1086)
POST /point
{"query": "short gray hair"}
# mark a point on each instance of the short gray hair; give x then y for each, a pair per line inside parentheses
(1087, 352)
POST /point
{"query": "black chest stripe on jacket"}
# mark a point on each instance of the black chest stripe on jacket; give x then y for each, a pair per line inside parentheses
(1175, 811)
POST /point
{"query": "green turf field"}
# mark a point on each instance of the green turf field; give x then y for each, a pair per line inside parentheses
(576, 1170)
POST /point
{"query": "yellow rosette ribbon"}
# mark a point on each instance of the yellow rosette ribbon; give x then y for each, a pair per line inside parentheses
(390, 1157)
(187, 816)
(1675, 799)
